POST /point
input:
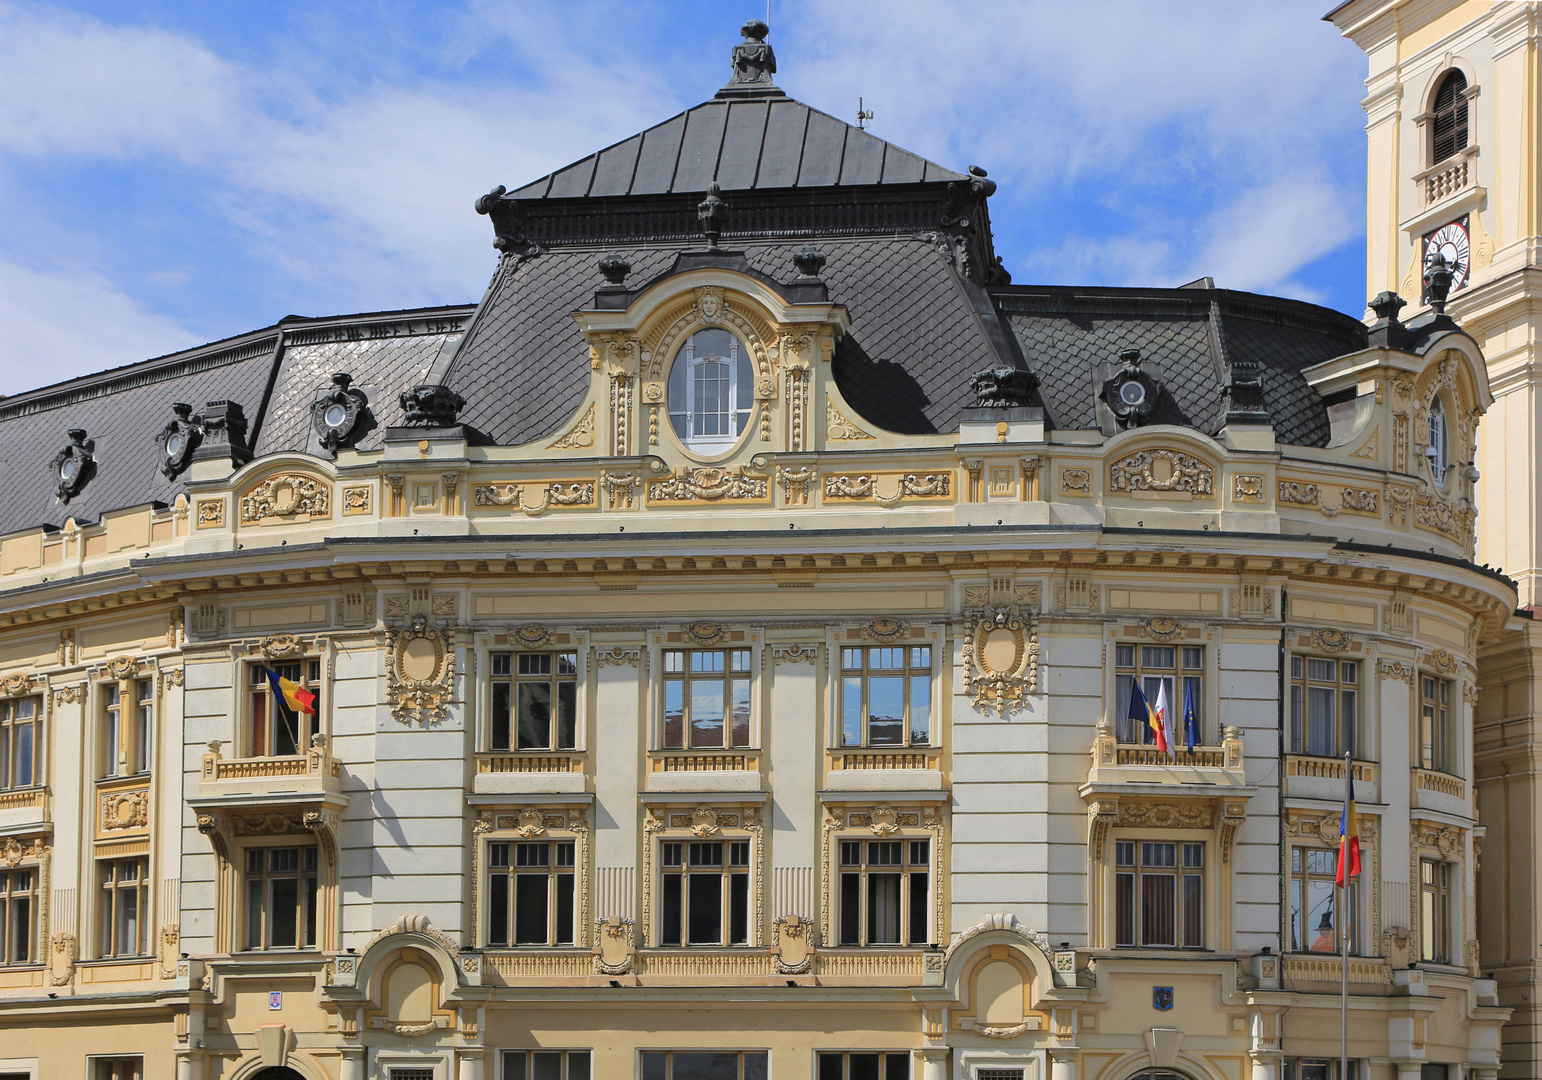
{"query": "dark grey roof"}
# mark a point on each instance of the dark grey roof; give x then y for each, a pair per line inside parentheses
(122, 410)
(524, 368)
(769, 142)
(1071, 337)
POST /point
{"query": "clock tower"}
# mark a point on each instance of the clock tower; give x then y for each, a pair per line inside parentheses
(1454, 166)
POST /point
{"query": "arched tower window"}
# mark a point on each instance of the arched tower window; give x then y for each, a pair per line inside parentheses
(711, 390)
(1438, 449)
(1449, 124)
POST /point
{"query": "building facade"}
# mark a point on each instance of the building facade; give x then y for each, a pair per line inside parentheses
(710, 657)
(1454, 133)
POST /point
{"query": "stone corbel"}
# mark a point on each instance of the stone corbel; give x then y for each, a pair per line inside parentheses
(324, 824)
(1101, 815)
(1233, 813)
(217, 828)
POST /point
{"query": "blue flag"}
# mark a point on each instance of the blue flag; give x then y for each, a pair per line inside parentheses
(1190, 716)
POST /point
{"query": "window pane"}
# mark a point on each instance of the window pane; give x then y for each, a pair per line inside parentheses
(918, 911)
(883, 909)
(284, 901)
(1157, 910)
(669, 918)
(1321, 670)
(546, 1065)
(920, 710)
(567, 715)
(863, 1067)
(254, 913)
(500, 663)
(851, 711)
(674, 714)
(885, 710)
(1193, 911)
(24, 761)
(706, 909)
(534, 715)
(1128, 730)
(738, 909)
(740, 728)
(1157, 656)
(578, 1065)
(1124, 909)
(896, 1067)
(1319, 916)
(1319, 721)
(564, 909)
(705, 1066)
(830, 1066)
(653, 1066)
(501, 717)
(851, 909)
(706, 713)
(535, 663)
(530, 914)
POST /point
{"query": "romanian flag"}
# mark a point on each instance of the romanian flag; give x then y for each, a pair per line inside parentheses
(299, 699)
(1141, 710)
(1349, 835)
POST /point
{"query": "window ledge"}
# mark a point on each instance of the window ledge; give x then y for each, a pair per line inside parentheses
(722, 780)
(884, 780)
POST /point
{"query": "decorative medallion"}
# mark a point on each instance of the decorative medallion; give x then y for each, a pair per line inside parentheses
(1001, 659)
(178, 439)
(124, 810)
(883, 821)
(281, 646)
(615, 940)
(1441, 660)
(15, 685)
(532, 823)
(1076, 481)
(1161, 470)
(356, 500)
(73, 467)
(1162, 998)
(532, 635)
(1247, 488)
(286, 495)
(705, 633)
(122, 667)
(885, 629)
(709, 484)
(1300, 494)
(1331, 640)
(1161, 628)
(704, 822)
(420, 673)
(338, 414)
(210, 514)
(936, 485)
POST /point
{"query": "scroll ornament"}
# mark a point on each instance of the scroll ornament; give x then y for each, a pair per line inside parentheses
(420, 673)
(1001, 659)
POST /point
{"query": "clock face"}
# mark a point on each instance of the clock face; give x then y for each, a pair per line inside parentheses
(1451, 241)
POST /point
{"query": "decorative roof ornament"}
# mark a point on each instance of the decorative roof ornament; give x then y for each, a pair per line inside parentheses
(711, 211)
(73, 467)
(1131, 394)
(178, 439)
(431, 405)
(338, 414)
(810, 261)
(965, 197)
(1439, 274)
(1003, 388)
(615, 267)
(224, 434)
(754, 63)
(1387, 332)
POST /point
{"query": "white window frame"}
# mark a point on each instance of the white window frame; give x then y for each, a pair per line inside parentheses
(753, 641)
(687, 355)
(486, 646)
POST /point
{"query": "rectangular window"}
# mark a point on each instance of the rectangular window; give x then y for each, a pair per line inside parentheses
(1159, 894)
(273, 728)
(535, 701)
(884, 892)
(123, 907)
(121, 1068)
(865, 1065)
(1315, 1069)
(546, 1065)
(126, 728)
(530, 893)
(886, 695)
(281, 897)
(1435, 911)
(18, 917)
(704, 888)
(21, 742)
(1314, 900)
(1435, 751)
(706, 699)
(1324, 706)
(1176, 669)
(703, 1065)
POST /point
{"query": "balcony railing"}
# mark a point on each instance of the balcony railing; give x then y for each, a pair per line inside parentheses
(697, 964)
(709, 761)
(1443, 783)
(26, 799)
(505, 762)
(315, 764)
(1364, 971)
(1447, 178)
(1211, 757)
(894, 759)
(1326, 768)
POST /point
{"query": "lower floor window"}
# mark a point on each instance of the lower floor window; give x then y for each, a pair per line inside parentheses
(706, 893)
(1315, 1068)
(1159, 900)
(122, 1068)
(124, 897)
(884, 892)
(893, 1065)
(281, 894)
(545, 1065)
(530, 893)
(1435, 911)
(1315, 919)
(18, 917)
(704, 1065)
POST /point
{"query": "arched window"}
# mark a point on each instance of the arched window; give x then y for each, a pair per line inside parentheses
(1437, 451)
(711, 390)
(1450, 118)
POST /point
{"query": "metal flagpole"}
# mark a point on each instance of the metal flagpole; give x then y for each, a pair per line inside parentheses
(1345, 915)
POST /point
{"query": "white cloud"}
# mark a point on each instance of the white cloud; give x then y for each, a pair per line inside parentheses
(60, 324)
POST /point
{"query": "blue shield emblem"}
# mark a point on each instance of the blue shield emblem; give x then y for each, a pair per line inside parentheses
(1162, 998)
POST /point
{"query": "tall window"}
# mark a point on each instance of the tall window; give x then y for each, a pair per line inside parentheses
(281, 895)
(1315, 920)
(127, 728)
(18, 917)
(1159, 900)
(839, 1065)
(704, 892)
(123, 900)
(21, 742)
(530, 893)
(1324, 700)
(703, 1065)
(274, 729)
(884, 891)
(1449, 124)
(535, 701)
(886, 695)
(711, 390)
(706, 693)
(546, 1065)
(1438, 448)
(1315, 1068)
(1435, 911)
(1158, 668)
(1435, 724)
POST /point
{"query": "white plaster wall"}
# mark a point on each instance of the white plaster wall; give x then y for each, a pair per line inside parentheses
(792, 741)
(208, 712)
(616, 746)
(1248, 671)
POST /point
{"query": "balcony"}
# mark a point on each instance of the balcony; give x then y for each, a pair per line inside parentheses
(703, 770)
(1115, 764)
(1434, 790)
(529, 772)
(899, 769)
(705, 967)
(312, 777)
(1309, 777)
(1450, 177)
(23, 810)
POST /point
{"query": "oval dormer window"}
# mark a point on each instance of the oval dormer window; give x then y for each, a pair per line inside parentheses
(1437, 449)
(711, 391)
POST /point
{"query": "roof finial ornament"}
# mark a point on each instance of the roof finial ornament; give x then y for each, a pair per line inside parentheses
(810, 261)
(754, 62)
(710, 210)
(1439, 273)
(615, 267)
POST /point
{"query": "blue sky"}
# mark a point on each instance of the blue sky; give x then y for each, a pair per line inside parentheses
(177, 172)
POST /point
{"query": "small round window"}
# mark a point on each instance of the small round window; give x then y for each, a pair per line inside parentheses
(711, 390)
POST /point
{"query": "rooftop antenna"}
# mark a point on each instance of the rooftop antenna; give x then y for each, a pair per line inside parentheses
(863, 116)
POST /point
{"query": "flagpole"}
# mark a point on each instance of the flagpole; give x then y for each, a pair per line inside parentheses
(1345, 916)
